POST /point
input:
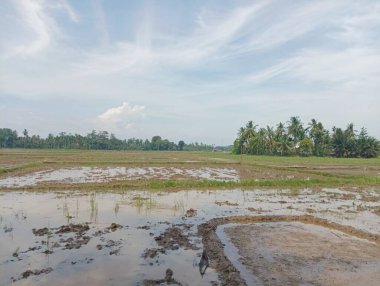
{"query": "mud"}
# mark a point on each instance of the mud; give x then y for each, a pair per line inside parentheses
(74, 242)
(226, 203)
(227, 271)
(295, 253)
(153, 252)
(191, 212)
(41, 231)
(256, 210)
(76, 228)
(173, 238)
(114, 226)
(80, 175)
(169, 280)
(28, 273)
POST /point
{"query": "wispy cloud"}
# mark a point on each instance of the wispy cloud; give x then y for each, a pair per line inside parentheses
(209, 40)
(359, 27)
(216, 35)
(38, 20)
(101, 22)
(293, 22)
(64, 5)
(343, 68)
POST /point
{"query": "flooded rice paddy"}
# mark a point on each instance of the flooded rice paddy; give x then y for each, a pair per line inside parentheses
(97, 175)
(152, 238)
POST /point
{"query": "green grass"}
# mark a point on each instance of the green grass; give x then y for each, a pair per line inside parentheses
(273, 183)
(307, 171)
(21, 167)
(122, 186)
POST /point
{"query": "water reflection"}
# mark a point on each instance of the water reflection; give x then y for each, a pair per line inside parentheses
(203, 263)
(109, 255)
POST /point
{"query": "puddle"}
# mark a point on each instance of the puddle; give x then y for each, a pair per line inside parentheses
(135, 237)
(232, 252)
(97, 175)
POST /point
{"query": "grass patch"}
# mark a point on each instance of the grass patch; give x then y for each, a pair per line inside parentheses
(260, 171)
(205, 184)
(22, 167)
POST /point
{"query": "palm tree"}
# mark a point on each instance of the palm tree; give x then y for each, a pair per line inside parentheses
(257, 144)
(284, 145)
(295, 130)
(320, 138)
(280, 131)
(339, 142)
(245, 135)
(270, 139)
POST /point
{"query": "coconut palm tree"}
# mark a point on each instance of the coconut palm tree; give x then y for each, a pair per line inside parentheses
(270, 140)
(295, 130)
(320, 138)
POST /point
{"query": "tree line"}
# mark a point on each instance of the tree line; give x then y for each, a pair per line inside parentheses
(293, 138)
(96, 140)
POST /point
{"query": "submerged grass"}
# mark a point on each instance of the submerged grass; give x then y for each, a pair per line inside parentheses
(206, 184)
(145, 201)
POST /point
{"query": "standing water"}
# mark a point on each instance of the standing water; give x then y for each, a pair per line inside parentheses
(132, 238)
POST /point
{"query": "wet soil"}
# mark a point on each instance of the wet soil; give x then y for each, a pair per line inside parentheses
(168, 280)
(228, 272)
(226, 203)
(82, 175)
(28, 273)
(295, 253)
(173, 238)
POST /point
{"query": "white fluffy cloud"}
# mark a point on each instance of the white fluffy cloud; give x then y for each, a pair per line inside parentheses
(123, 115)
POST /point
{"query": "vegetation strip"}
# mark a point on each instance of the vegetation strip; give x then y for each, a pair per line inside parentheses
(229, 275)
(294, 139)
(206, 184)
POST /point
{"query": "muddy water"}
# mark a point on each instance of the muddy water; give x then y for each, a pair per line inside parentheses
(96, 175)
(233, 254)
(152, 231)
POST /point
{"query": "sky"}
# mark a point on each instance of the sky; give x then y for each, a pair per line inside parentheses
(187, 70)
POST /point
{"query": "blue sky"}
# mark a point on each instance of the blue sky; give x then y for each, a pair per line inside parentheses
(187, 70)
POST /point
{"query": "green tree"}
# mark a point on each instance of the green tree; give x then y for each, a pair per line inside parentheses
(270, 140)
(156, 142)
(181, 144)
(368, 147)
(284, 145)
(296, 131)
(8, 138)
(305, 147)
(320, 138)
